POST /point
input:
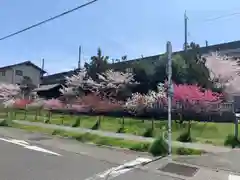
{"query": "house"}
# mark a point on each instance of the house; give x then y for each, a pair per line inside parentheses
(51, 84)
(24, 72)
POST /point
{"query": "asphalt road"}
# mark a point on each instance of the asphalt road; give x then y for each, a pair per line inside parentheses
(20, 162)
(33, 156)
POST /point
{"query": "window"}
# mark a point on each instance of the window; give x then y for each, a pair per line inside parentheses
(129, 70)
(19, 73)
(3, 73)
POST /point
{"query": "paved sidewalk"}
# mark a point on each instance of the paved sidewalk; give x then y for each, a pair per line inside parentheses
(198, 146)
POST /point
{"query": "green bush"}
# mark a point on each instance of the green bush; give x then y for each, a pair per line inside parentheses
(121, 130)
(232, 141)
(185, 137)
(159, 147)
(77, 122)
(87, 137)
(56, 132)
(141, 147)
(96, 126)
(47, 121)
(188, 151)
(103, 142)
(4, 123)
(149, 132)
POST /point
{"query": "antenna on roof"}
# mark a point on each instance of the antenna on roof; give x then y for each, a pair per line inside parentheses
(206, 42)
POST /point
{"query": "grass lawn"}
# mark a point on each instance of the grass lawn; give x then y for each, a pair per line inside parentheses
(205, 132)
(106, 141)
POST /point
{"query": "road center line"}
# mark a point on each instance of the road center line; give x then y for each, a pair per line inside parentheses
(28, 146)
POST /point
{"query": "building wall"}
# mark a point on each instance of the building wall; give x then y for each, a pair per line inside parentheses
(228, 52)
(11, 75)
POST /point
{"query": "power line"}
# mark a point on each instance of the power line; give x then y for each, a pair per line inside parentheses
(211, 20)
(223, 16)
(47, 20)
(214, 19)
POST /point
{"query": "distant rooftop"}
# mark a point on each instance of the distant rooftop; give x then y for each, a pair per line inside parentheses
(23, 63)
(59, 77)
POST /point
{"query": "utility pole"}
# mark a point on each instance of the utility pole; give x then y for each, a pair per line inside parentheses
(185, 31)
(170, 94)
(41, 75)
(43, 65)
(79, 56)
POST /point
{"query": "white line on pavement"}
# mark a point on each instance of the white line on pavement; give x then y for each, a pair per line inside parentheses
(116, 171)
(233, 177)
(28, 146)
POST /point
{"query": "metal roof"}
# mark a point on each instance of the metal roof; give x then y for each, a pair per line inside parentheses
(45, 87)
(24, 63)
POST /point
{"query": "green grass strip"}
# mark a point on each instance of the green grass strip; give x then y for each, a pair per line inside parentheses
(103, 141)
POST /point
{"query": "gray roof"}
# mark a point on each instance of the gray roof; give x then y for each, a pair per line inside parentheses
(24, 63)
(58, 77)
(45, 87)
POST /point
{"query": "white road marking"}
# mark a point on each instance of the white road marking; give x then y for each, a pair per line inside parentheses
(35, 148)
(233, 177)
(28, 146)
(116, 171)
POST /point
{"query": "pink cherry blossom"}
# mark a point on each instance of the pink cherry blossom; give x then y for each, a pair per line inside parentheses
(53, 104)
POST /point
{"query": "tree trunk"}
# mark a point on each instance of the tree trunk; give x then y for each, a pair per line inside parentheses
(123, 121)
(189, 126)
(36, 115)
(25, 114)
(152, 123)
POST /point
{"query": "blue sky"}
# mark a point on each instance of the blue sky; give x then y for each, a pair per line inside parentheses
(119, 27)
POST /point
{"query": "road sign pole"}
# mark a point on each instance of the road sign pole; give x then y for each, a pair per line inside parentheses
(170, 93)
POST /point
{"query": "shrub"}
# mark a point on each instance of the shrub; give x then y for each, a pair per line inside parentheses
(121, 130)
(96, 126)
(185, 137)
(47, 121)
(149, 132)
(141, 147)
(159, 147)
(103, 141)
(87, 137)
(188, 151)
(232, 141)
(4, 123)
(56, 132)
(77, 122)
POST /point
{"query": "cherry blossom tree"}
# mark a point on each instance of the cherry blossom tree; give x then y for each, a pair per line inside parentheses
(192, 96)
(224, 72)
(111, 83)
(21, 103)
(185, 98)
(99, 105)
(139, 104)
(108, 85)
(53, 104)
(77, 82)
(8, 94)
(9, 91)
(36, 104)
